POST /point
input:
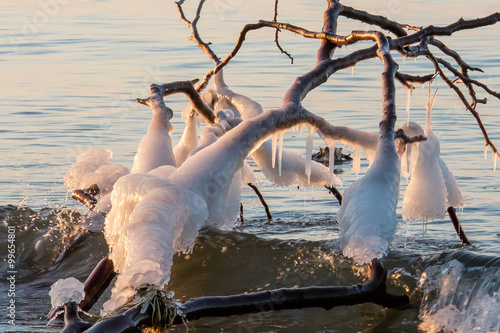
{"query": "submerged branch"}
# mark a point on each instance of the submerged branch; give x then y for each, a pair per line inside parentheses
(333, 190)
(262, 201)
(185, 87)
(373, 290)
(458, 226)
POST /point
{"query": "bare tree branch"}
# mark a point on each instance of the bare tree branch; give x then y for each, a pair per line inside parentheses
(377, 20)
(407, 79)
(185, 87)
(466, 103)
(276, 35)
(262, 201)
(466, 80)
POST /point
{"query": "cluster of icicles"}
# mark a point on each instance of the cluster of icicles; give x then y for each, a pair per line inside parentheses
(157, 208)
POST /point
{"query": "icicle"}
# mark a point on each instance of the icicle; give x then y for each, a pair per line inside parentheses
(408, 102)
(352, 70)
(486, 152)
(300, 130)
(495, 157)
(331, 160)
(408, 159)
(309, 148)
(280, 153)
(356, 160)
(415, 59)
(274, 144)
(404, 165)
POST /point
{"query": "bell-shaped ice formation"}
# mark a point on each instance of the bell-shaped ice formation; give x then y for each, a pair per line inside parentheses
(367, 217)
(66, 290)
(151, 219)
(94, 166)
(432, 188)
(426, 194)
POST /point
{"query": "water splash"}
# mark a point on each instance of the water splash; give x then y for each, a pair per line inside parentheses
(461, 297)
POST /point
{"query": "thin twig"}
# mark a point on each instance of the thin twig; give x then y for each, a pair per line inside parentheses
(353, 58)
(466, 103)
(466, 80)
(458, 227)
(333, 190)
(262, 201)
(276, 35)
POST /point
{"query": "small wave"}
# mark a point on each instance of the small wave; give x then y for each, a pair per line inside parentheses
(462, 294)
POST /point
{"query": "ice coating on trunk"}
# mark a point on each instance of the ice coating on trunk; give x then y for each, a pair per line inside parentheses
(94, 166)
(189, 139)
(367, 217)
(155, 148)
(151, 219)
(66, 290)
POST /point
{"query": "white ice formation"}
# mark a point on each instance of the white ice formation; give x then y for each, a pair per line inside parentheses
(367, 216)
(293, 170)
(155, 148)
(432, 188)
(151, 219)
(66, 290)
(189, 139)
(94, 166)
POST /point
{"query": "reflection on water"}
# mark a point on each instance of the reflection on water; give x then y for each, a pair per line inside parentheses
(71, 73)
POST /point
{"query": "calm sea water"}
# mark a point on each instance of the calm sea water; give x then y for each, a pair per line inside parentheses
(71, 70)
